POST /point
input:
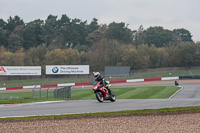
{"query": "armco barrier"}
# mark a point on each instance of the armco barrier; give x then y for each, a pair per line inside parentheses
(189, 77)
(90, 83)
(152, 79)
(118, 81)
(169, 78)
(46, 86)
(14, 88)
(2, 89)
(135, 80)
(84, 83)
(67, 84)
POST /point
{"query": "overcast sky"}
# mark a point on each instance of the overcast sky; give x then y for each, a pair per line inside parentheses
(170, 14)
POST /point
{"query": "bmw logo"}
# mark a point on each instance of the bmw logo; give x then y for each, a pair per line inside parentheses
(55, 70)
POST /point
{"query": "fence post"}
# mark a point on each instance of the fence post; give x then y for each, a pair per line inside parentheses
(48, 93)
(58, 93)
(33, 92)
(55, 93)
(40, 92)
(68, 92)
(65, 92)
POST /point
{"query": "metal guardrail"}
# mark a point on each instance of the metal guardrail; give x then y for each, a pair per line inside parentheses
(190, 77)
(63, 92)
(41, 93)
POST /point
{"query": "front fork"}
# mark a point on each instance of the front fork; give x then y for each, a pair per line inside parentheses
(105, 91)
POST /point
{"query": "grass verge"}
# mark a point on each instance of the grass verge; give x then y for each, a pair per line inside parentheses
(126, 112)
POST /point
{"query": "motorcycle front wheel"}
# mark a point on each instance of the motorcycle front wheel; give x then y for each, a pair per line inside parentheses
(112, 96)
(99, 96)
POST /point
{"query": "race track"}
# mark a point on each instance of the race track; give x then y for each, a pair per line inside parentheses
(188, 96)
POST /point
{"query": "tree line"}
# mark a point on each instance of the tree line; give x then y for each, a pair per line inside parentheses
(67, 41)
(106, 52)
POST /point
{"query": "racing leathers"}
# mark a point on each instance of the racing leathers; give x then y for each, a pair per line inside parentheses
(103, 82)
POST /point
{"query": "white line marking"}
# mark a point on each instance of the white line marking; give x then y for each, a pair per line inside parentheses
(176, 92)
(22, 104)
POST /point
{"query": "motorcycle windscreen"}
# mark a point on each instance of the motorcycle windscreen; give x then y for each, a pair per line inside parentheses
(95, 83)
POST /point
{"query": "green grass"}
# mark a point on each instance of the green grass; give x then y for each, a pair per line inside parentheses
(126, 112)
(151, 92)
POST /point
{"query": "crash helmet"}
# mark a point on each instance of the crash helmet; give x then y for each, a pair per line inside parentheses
(96, 75)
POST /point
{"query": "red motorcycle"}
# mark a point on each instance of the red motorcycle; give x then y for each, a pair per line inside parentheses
(102, 93)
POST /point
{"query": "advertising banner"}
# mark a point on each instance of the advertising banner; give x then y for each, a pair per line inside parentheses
(67, 69)
(20, 70)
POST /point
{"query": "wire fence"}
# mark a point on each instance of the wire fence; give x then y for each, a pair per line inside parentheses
(37, 93)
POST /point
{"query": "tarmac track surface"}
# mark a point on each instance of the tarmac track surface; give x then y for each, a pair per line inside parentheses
(188, 96)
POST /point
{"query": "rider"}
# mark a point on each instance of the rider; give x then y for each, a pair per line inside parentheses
(101, 79)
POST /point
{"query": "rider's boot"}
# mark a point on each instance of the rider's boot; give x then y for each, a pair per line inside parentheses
(109, 91)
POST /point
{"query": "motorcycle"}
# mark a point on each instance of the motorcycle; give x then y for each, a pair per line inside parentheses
(102, 93)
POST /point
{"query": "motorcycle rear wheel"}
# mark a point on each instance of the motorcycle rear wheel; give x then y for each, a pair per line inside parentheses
(112, 96)
(99, 96)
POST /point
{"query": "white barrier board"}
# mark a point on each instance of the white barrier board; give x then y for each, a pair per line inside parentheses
(67, 69)
(20, 70)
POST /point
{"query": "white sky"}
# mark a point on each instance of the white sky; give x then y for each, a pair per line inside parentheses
(170, 14)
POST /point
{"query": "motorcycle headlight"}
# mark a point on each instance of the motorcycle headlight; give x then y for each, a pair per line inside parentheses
(95, 87)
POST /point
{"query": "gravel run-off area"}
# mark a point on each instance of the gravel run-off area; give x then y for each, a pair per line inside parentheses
(178, 122)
